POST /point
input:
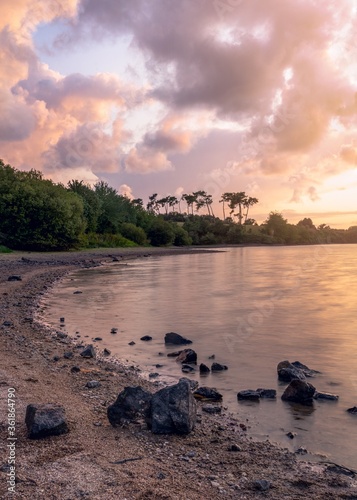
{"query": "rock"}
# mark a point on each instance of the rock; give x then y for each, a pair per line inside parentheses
(88, 352)
(299, 391)
(56, 358)
(261, 485)
(308, 372)
(146, 338)
(173, 410)
(207, 394)
(77, 292)
(131, 343)
(301, 451)
(187, 356)
(187, 369)
(211, 408)
(352, 410)
(174, 354)
(97, 339)
(7, 323)
(114, 331)
(326, 396)
(131, 403)
(61, 335)
(291, 435)
(267, 393)
(62, 320)
(175, 338)
(288, 372)
(248, 395)
(204, 368)
(106, 352)
(92, 384)
(14, 277)
(154, 375)
(217, 367)
(68, 355)
(75, 369)
(193, 383)
(234, 447)
(212, 357)
(44, 420)
(158, 365)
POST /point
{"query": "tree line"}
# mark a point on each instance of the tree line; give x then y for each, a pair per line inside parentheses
(38, 214)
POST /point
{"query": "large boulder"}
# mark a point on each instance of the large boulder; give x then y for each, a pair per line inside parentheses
(290, 371)
(44, 420)
(207, 394)
(173, 410)
(308, 372)
(175, 338)
(130, 404)
(299, 391)
(187, 356)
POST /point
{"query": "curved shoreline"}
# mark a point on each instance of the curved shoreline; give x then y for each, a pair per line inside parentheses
(195, 466)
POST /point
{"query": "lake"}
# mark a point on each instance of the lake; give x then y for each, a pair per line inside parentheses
(252, 307)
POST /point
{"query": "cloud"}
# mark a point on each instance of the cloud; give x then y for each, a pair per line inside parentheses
(17, 119)
(348, 153)
(127, 191)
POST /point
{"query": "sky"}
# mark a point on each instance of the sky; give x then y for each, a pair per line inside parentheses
(173, 96)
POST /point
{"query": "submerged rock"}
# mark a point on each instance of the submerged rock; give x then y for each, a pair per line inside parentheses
(352, 410)
(204, 368)
(299, 391)
(217, 367)
(208, 408)
(131, 343)
(174, 354)
(187, 369)
(308, 372)
(146, 338)
(326, 396)
(173, 410)
(131, 403)
(175, 338)
(249, 395)
(267, 393)
(290, 371)
(187, 356)
(207, 394)
(44, 420)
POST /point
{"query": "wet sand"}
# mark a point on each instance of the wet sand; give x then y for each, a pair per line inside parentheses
(80, 463)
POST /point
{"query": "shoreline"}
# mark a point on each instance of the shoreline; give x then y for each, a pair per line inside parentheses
(79, 464)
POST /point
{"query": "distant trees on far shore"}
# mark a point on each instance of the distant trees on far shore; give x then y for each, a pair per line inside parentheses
(37, 214)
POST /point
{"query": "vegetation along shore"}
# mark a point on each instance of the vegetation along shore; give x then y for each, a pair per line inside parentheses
(95, 460)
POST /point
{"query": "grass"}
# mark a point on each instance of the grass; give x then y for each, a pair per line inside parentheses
(4, 249)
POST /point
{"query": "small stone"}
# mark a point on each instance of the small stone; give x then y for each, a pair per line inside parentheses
(248, 395)
(261, 485)
(62, 320)
(207, 394)
(158, 365)
(146, 338)
(187, 356)
(175, 338)
(301, 451)
(68, 355)
(88, 352)
(161, 475)
(77, 292)
(217, 367)
(325, 396)
(106, 352)
(267, 393)
(114, 331)
(14, 277)
(131, 343)
(211, 409)
(7, 323)
(97, 339)
(352, 410)
(92, 384)
(291, 435)
(234, 447)
(174, 354)
(187, 369)
(75, 369)
(204, 368)
(212, 356)
(56, 358)
(153, 375)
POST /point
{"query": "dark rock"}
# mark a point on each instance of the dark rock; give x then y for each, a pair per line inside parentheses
(173, 410)
(114, 330)
(352, 410)
(261, 485)
(75, 369)
(187, 356)
(106, 352)
(130, 404)
(77, 292)
(267, 393)
(288, 372)
(187, 369)
(204, 368)
(234, 447)
(68, 355)
(299, 391)
(158, 365)
(62, 320)
(217, 367)
(24, 259)
(301, 451)
(92, 384)
(7, 323)
(14, 277)
(131, 343)
(88, 352)
(325, 396)
(291, 435)
(44, 420)
(146, 338)
(248, 395)
(56, 358)
(175, 338)
(61, 335)
(154, 375)
(193, 383)
(308, 372)
(212, 408)
(207, 394)
(97, 339)
(174, 354)
(212, 357)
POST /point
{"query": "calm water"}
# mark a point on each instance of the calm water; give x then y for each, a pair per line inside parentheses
(251, 307)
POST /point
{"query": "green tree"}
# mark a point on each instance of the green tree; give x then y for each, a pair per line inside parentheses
(91, 203)
(161, 233)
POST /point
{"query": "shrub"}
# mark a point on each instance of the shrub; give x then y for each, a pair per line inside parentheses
(161, 233)
(133, 233)
(94, 240)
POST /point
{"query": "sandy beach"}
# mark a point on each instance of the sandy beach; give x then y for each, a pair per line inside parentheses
(91, 460)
